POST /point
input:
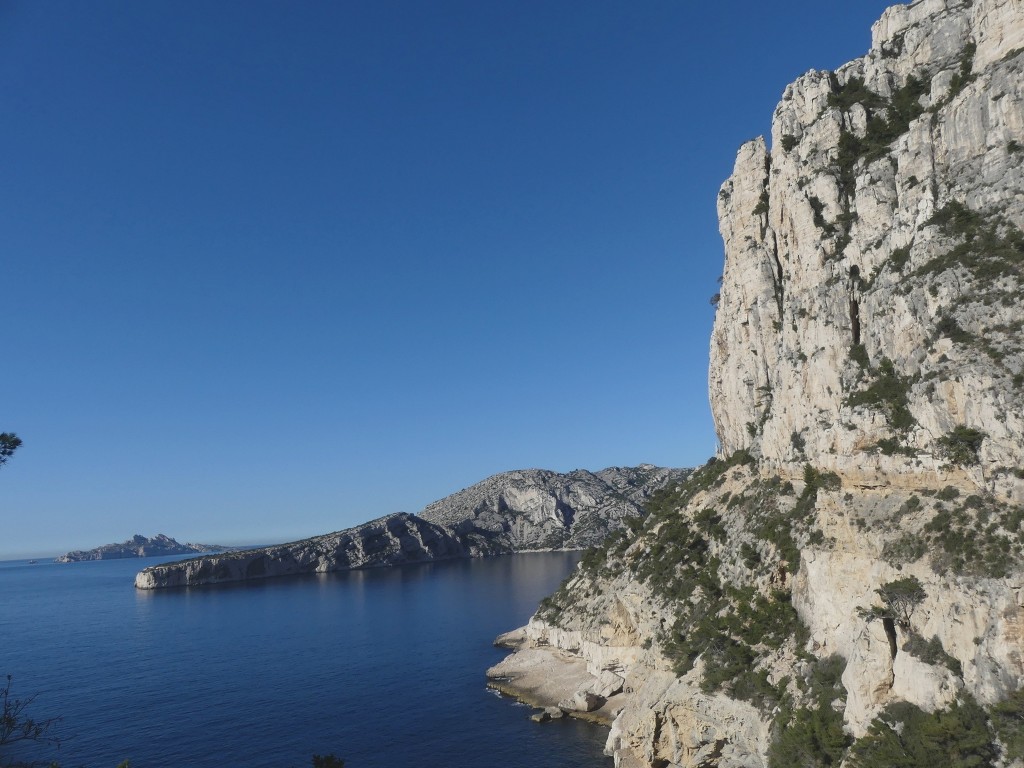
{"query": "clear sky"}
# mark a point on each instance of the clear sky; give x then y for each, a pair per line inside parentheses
(272, 269)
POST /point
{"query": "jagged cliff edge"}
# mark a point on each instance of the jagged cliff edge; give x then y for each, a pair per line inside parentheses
(867, 386)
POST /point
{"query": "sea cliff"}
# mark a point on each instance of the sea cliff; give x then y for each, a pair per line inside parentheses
(846, 575)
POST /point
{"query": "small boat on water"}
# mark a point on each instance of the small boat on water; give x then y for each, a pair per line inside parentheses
(33, 562)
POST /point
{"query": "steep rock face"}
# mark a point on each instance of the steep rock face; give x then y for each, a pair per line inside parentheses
(517, 511)
(856, 551)
(138, 546)
(883, 224)
(389, 540)
(538, 509)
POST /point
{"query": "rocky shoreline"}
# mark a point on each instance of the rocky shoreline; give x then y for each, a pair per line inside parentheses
(555, 682)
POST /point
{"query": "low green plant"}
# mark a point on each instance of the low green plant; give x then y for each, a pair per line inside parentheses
(889, 393)
(961, 445)
(904, 736)
(812, 736)
(1008, 721)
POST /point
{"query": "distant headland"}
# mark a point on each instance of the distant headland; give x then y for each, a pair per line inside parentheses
(139, 546)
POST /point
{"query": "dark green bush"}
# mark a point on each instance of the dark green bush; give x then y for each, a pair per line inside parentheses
(961, 446)
(888, 392)
(1008, 720)
(904, 736)
(813, 737)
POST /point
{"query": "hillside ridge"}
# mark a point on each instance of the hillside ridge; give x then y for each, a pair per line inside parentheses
(518, 511)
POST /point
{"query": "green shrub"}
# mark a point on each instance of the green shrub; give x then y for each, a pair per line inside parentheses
(813, 736)
(904, 736)
(888, 392)
(963, 76)
(859, 355)
(899, 258)
(1008, 721)
(990, 247)
(762, 203)
(961, 446)
(908, 548)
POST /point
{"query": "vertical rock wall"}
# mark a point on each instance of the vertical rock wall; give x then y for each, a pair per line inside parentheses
(828, 248)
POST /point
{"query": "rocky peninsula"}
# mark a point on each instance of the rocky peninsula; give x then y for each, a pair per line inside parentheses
(520, 511)
(139, 546)
(843, 583)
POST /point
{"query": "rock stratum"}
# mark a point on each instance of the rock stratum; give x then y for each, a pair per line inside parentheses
(138, 546)
(842, 585)
(520, 511)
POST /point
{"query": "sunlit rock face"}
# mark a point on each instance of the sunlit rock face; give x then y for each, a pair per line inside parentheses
(867, 386)
(837, 238)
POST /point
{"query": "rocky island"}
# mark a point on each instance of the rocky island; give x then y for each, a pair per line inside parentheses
(521, 511)
(844, 582)
(138, 546)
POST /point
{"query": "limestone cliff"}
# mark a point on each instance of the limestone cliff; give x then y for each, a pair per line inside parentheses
(519, 511)
(851, 563)
(884, 225)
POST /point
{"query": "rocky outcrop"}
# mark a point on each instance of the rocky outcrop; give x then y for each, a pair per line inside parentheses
(856, 550)
(520, 511)
(537, 509)
(139, 546)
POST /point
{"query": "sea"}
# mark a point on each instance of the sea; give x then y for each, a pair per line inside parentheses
(383, 668)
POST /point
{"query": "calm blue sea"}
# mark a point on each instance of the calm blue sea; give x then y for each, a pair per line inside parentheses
(384, 668)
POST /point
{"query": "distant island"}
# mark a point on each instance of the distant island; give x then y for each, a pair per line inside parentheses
(139, 546)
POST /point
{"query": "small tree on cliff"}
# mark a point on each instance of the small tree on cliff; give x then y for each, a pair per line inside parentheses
(901, 597)
(9, 443)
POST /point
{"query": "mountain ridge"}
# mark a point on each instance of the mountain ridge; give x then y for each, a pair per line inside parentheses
(517, 511)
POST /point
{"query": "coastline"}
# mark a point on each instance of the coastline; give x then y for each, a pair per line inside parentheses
(550, 679)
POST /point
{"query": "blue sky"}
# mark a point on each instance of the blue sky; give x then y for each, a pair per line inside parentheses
(272, 269)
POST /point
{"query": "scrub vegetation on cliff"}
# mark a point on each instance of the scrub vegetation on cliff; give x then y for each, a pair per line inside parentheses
(844, 588)
(719, 552)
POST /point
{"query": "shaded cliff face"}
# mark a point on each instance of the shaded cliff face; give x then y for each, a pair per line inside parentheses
(884, 227)
(520, 511)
